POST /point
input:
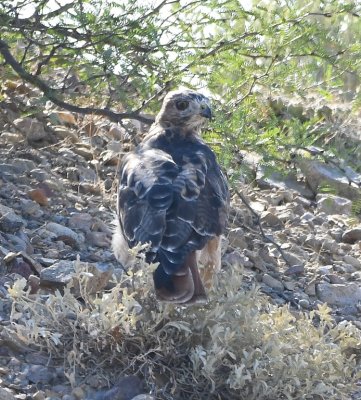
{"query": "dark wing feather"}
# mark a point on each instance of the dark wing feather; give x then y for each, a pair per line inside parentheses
(172, 193)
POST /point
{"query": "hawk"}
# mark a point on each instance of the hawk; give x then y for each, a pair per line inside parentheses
(173, 195)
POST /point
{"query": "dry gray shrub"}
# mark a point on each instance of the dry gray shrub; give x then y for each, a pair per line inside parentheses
(237, 346)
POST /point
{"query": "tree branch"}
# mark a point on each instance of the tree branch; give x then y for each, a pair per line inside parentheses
(50, 93)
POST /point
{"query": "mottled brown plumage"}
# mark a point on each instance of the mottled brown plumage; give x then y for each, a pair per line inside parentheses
(173, 195)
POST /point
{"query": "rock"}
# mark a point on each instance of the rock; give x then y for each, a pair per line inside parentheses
(304, 303)
(352, 261)
(81, 221)
(325, 270)
(318, 173)
(126, 389)
(277, 180)
(31, 128)
(289, 285)
(30, 208)
(64, 234)
(115, 146)
(40, 374)
(335, 278)
(10, 137)
(116, 131)
(270, 219)
(143, 397)
(295, 270)
(99, 239)
(66, 117)
(5, 394)
(84, 151)
(23, 164)
(352, 235)
(64, 272)
(310, 288)
(39, 174)
(272, 282)
(236, 258)
(110, 158)
(9, 221)
(330, 204)
(64, 133)
(39, 196)
(292, 259)
(236, 238)
(256, 260)
(39, 395)
(339, 294)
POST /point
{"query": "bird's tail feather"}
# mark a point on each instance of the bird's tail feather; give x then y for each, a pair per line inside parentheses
(184, 287)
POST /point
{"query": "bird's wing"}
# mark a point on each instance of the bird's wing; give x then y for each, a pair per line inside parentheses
(145, 194)
(175, 205)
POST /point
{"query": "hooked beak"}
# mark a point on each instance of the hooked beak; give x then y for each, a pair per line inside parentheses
(206, 111)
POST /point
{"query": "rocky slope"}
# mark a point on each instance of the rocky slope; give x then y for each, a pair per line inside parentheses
(57, 201)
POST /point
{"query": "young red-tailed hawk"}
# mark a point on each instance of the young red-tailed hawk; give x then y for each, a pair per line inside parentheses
(173, 195)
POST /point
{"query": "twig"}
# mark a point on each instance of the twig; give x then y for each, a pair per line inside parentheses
(50, 93)
(258, 222)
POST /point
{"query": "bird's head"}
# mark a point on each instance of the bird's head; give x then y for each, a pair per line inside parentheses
(185, 108)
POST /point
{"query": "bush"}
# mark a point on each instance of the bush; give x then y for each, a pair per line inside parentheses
(237, 346)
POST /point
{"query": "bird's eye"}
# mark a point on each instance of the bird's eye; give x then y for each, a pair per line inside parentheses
(181, 105)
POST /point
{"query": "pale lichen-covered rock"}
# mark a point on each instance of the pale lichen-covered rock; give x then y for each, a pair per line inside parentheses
(348, 294)
(330, 204)
(64, 272)
(31, 128)
(319, 174)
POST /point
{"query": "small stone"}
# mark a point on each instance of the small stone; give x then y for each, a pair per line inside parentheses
(5, 394)
(41, 374)
(39, 196)
(272, 282)
(293, 260)
(325, 270)
(339, 294)
(65, 133)
(9, 221)
(352, 235)
(236, 238)
(85, 152)
(304, 303)
(39, 395)
(21, 268)
(98, 239)
(236, 258)
(270, 219)
(289, 285)
(64, 233)
(65, 272)
(115, 146)
(31, 128)
(66, 117)
(330, 204)
(31, 208)
(352, 261)
(39, 174)
(310, 289)
(110, 158)
(335, 278)
(10, 137)
(126, 389)
(82, 221)
(295, 270)
(117, 132)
